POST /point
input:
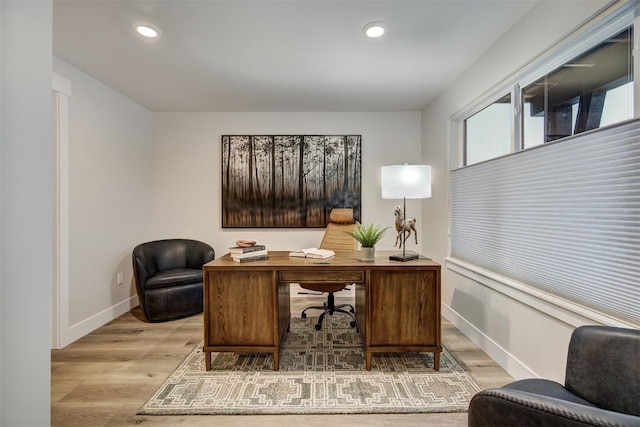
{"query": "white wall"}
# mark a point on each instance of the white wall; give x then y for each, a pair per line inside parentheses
(110, 197)
(25, 212)
(135, 176)
(187, 175)
(525, 341)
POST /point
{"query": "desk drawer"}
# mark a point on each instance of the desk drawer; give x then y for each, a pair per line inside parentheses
(322, 276)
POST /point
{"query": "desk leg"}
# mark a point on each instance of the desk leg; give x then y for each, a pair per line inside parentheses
(367, 360)
(276, 360)
(436, 360)
(207, 360)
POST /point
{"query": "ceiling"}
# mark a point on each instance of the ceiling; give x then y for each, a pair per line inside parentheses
(267, 55)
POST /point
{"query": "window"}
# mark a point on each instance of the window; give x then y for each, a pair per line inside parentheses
(488, 132)
(591, 91)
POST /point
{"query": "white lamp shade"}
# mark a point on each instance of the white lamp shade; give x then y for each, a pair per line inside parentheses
(406, 181)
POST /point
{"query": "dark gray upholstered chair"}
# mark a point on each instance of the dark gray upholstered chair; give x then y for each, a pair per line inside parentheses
(168, 275)
(601, 387)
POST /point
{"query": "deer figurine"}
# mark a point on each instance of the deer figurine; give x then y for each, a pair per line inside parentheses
(404, 227)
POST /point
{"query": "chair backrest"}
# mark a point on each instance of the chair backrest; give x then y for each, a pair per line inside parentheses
(335, 238)
(158, 255)
(603, 367)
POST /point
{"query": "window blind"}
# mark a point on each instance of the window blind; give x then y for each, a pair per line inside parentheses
(563, 218)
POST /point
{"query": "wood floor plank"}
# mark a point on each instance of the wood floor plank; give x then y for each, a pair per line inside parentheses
(91, 414)
(102, 379)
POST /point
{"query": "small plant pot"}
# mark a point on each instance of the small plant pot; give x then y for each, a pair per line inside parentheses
(368, 254)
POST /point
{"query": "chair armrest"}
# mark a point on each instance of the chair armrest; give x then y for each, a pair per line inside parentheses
(143, 269)
(505, 407)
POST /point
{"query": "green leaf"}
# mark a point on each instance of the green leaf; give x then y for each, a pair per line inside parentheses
(368, 235)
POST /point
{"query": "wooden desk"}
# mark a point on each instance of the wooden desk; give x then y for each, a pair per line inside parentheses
(247, 305)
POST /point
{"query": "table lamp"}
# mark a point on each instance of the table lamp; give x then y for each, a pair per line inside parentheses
(405, 182)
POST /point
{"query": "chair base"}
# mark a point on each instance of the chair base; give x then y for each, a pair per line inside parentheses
(329, 308)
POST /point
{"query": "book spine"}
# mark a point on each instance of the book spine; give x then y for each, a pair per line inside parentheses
(250, 254)
(253, 258)
(247, 249)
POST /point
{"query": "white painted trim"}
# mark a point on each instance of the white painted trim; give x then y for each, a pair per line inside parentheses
(636, 65)
(90, 324)
(558, 308)
(506, 360)
(60, 291)
(61, 85)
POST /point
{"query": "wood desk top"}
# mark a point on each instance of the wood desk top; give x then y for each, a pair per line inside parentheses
(343, 260)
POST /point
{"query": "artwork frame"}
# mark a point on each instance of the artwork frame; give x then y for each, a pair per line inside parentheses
(289, 181)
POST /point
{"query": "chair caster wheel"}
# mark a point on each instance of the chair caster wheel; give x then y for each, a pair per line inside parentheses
(352, 324)
(318, 327)
(303, 315)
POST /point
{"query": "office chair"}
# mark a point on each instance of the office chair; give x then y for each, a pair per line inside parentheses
(335, 238)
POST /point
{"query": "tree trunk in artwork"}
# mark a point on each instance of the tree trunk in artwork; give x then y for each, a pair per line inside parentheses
(227, 187)
(345, 187)
(301, 205)
(272, 218)
(250, 195)
(324, 178)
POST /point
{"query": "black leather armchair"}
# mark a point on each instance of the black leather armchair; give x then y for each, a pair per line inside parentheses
(602, 387)
(168, 275)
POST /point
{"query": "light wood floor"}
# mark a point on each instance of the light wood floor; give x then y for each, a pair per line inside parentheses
(103, 378)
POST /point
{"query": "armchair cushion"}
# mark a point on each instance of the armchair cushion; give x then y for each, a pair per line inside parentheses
(173, 277)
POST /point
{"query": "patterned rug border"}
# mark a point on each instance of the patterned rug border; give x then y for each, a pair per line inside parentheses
(449, 368)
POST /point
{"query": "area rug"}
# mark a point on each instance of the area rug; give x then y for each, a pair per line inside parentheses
(321, 372)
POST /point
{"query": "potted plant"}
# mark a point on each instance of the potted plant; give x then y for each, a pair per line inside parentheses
(368, 235)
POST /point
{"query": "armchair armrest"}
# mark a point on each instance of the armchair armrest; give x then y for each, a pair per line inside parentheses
(506, 407)
(143, 269)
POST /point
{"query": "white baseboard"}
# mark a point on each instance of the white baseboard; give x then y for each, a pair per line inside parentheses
(88, 325)
(506, 360)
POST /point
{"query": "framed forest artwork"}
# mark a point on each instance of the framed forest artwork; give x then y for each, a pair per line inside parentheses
(289, 181)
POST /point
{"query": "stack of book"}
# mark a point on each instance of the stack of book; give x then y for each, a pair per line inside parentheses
(248, 253)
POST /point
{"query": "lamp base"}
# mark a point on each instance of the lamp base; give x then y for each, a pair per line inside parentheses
(403, 258)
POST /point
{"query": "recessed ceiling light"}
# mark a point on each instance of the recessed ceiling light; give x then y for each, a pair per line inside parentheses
(147, 31)
(374, 29)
